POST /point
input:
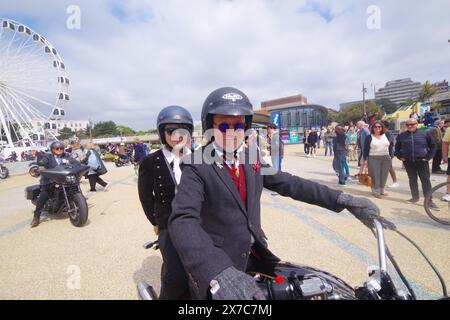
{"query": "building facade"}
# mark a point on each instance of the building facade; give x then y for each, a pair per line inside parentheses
(444, 99)
(293, 115)
(399, 91)
(441, 87)
(74, 125)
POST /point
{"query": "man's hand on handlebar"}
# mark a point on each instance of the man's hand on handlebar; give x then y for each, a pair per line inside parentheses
(232, 284)
(363, 209)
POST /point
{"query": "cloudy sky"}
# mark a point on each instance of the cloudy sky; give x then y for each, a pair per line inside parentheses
(131, 58)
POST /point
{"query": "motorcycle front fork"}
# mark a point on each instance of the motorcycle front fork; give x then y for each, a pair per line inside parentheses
(66, 198)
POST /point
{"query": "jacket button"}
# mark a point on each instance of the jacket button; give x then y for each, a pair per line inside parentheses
(160, 185)
(244, 255)
(160, 177)
(157, 167)
(161, 194)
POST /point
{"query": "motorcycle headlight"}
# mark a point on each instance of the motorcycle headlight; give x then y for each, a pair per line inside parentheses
(71, 179)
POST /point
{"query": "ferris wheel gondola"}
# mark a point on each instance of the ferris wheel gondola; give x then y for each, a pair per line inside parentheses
(34, 86)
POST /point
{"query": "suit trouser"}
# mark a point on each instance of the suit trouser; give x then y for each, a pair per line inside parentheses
(437, 161)
(94, 179)
(379, 167)
(44, 195)
(421, 169)
(360, 156)
(174, 282)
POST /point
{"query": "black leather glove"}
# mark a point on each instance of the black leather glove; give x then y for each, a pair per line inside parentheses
(232, 284)
(362, 208)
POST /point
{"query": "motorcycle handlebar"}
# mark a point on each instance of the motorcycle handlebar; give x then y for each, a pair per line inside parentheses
(381, 245)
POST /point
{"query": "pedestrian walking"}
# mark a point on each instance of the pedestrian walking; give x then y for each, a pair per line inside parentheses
(340, 154)
(312, 141)
(416, 148)
(437, 133)
(377, 157)
(352, 142)
(329, 137)
(305, 142)
(276, 146)
(96, 168)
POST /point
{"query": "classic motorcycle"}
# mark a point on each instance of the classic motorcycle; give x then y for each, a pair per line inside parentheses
(66, 196)
(4, 172)
(122, 161)
(287, 281)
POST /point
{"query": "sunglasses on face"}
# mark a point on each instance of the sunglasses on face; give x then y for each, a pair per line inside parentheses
(59, 149)
(377, 127)
(170, 131)
(223, 127)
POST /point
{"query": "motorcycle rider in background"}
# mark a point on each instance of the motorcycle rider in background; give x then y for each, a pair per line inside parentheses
(49, 161)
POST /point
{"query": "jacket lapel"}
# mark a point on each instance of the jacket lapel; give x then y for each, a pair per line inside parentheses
(250, 185)
(226, 179)
(162, 156)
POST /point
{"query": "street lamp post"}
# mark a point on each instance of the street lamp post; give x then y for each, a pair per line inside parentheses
(374, 85)
(90, 130)
(364, 91)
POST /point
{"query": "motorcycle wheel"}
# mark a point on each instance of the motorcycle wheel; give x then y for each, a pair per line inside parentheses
(34, 172)
(79, 215)
(5, 173)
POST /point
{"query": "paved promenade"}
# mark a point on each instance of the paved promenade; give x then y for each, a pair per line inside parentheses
(105, 259)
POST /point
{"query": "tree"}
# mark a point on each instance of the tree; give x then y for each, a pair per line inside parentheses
(388, 106)
(143, 133)
(427, 92)
(105, 129)
(437, 106)
(65, 133)
(332, 116)
(125, 131)
(354, 112)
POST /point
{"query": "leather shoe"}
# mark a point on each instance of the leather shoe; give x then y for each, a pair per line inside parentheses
(35, 222)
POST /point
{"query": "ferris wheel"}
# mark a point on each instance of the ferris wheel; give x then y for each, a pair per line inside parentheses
(33, 86)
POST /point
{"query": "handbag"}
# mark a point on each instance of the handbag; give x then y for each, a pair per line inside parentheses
(101, 170)
(365, 179)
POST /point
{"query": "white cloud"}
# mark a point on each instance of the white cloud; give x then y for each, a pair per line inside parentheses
(132, 58)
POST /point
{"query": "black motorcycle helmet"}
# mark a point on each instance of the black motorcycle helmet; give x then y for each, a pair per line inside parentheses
(56, 144)
(170, 115)
(226, 101)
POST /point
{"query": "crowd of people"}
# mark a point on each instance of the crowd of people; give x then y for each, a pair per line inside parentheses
(374, 147)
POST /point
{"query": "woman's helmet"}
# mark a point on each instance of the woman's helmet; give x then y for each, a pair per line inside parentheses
(226, 101)
(173, 115)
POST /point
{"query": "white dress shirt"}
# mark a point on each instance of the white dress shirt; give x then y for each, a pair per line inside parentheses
(171, 157)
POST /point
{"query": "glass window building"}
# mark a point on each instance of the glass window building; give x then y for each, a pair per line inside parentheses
(293, 121)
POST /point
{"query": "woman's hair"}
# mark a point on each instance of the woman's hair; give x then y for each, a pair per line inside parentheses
(339, 130)
(372, 129)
